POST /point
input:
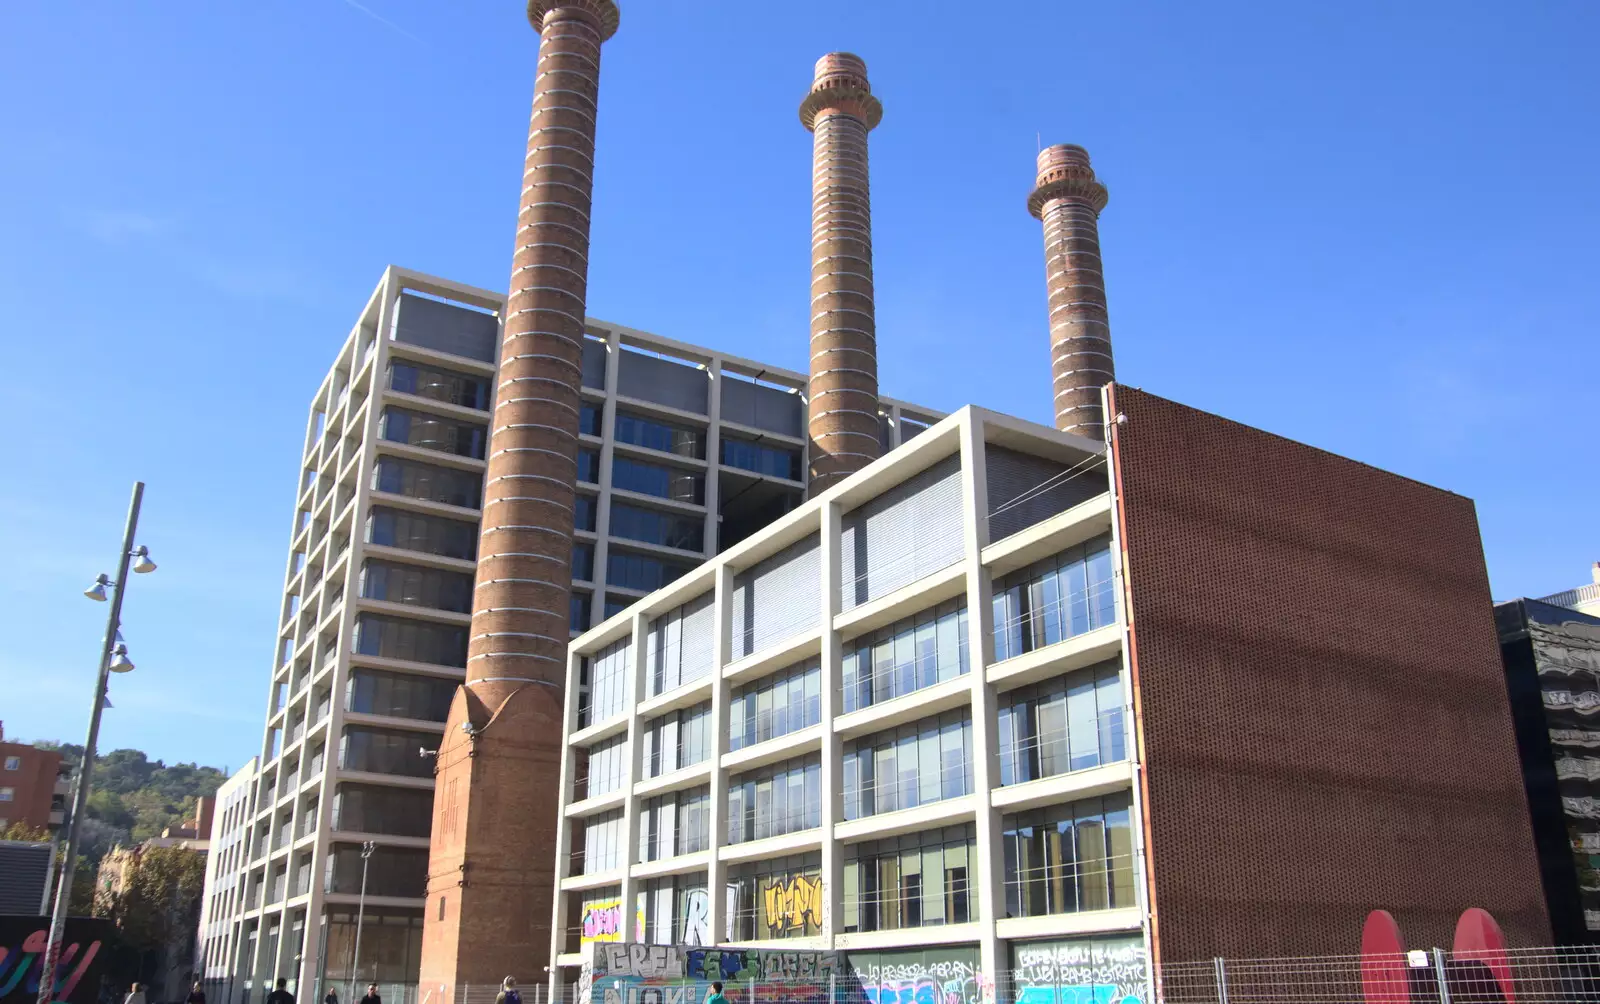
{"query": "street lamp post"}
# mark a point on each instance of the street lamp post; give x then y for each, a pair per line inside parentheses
(113, 659)
(367, 847)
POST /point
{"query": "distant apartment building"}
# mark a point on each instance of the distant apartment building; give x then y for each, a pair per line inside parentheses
(219, 949)
(685, 451)
(34, 785)
(1585, 598)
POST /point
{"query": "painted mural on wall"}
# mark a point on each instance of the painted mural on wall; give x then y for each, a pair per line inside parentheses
(77, 977)
(1090, 971)
(948, 974)
(683, 974)
(602, 920)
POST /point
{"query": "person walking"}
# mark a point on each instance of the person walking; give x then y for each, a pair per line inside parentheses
(196, 995)
(508, 992)
(372, 995)
(135, 994)
(281, 995)
(332, 998)
(716, 995)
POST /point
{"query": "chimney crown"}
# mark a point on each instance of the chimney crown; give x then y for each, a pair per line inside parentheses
(1064, 172)
(604, 12)
(840, 83)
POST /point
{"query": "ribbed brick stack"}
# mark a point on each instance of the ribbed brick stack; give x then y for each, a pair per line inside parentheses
(1068, 198)
(843, 424)
(492, 854)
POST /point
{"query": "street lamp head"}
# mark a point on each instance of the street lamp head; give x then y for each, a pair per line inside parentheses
(142, 562)
(97, 592)
(120, 663)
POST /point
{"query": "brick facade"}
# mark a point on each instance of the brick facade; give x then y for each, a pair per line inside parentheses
(1318, 693)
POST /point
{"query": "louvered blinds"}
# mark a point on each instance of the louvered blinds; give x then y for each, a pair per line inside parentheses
(679, 649)
(777, 598)
(908, 532)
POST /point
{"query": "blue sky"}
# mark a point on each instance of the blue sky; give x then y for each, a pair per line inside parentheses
(1371, 227)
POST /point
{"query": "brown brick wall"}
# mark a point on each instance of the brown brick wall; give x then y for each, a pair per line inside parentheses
(1323, 716)
(32, 784)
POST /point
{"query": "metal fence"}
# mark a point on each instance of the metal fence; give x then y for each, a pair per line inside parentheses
(1524, 976)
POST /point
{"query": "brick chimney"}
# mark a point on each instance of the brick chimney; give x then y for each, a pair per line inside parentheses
(491, 861)
(843, 407)
(1068, 198)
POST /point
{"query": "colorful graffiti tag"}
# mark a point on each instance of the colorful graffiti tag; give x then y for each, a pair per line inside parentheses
(77, 975)
(602, 920)
(1081, 972)
(791, 903)
(886, 980)
(674, 974)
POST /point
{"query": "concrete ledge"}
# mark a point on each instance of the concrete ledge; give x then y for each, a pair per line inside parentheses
(906, 708)
(772, 847)
(1074, 526)
(597, 804)
(613, 726)
(772, 750)
(677, 780)
(1066, 787)
(785, 653)
(1061, 657)
(685, 696)
(676, 865)
(1055, 924)
(611, 876)
(910, 937)
(923, 817)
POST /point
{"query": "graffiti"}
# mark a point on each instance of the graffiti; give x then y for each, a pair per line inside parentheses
(942, 981)
(683, 974)
(602, 920)
(697, 918)
(22, 947)
(1086, 972)
(792, 903)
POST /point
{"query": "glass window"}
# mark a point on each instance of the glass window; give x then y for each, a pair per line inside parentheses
(777, 705)
(653, 479)
(656, 435)
(906, 656)
(602, 682)
(583, 562)
(676, 823)
(427, 481)
(583, 513)
(391, 871)
(1068, 858)
(434, 432)
(589, 419)
(925, 761)
(589, 466)
(916, 880)
(440, 384)
(416, 586)
(1069, 723)
(765, 805)
(680, 646)
(398, 695)
(416, 641)
(607, 768)
(579, 604)
(386, 751)
(780, 898)
(687, 533)
(448, 538)
(1058, 597)
(599, 842)
(642, 572)
(677, 740)
(761, 458)
(364, 808)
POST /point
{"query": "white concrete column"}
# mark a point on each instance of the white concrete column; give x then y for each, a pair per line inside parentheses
(721, 645)
(558, 922)
(988, 871)
(713, 455)
(832, 745)
(602, 509)
(630, 805)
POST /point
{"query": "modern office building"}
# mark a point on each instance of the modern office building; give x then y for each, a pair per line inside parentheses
(1552, 664)
(219, 951)
(683, 451)
(1011, 692)
(1585, 598)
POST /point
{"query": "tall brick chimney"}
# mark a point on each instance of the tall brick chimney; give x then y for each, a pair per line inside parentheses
(1069, 199)
(843, 425)
(490, 867)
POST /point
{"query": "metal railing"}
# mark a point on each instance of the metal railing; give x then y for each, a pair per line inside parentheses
(954, 781)
(898, 679)
(1049, 754)
(1033, 629)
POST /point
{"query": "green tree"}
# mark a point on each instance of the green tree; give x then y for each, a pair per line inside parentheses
(158, 911)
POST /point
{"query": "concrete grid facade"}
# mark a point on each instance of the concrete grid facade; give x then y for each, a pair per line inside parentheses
(378, 588)
(946, 525)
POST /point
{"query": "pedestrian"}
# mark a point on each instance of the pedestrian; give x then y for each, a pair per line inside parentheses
(508, 992)
(135, 994)
(716, 995)
(332, 998)
(372, 995)
(196, 995)
(280, 995)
